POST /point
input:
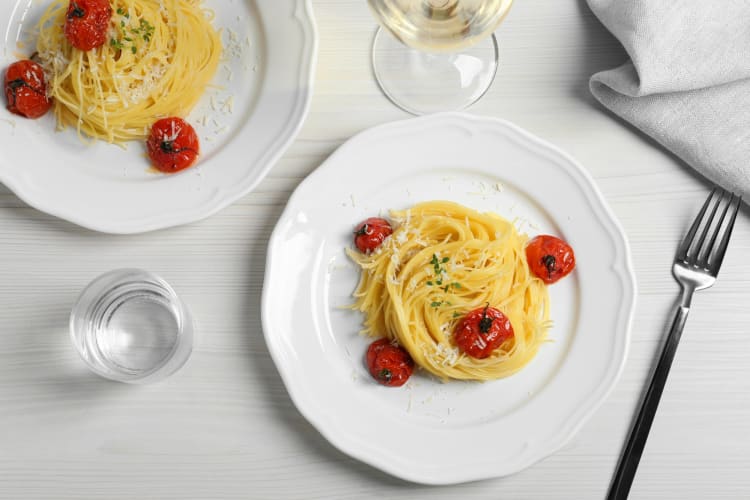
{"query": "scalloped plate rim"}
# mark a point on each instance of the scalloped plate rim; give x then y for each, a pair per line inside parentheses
(621, 265)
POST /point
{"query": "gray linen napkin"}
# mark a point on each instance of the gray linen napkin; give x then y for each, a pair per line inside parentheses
(687, 84)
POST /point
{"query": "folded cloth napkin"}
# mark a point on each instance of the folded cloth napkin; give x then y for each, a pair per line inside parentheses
(687, 84)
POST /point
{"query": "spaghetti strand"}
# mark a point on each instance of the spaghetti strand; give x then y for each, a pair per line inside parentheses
(159, 58)
(442, 261)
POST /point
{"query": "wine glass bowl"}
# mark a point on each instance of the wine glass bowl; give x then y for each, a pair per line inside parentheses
(440, 25)
(436, 55)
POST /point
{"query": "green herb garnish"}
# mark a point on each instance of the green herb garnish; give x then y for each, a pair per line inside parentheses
(439, 271)
(129, 36)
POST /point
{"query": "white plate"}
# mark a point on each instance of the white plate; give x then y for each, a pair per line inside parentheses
(428, 431)
(270, 51)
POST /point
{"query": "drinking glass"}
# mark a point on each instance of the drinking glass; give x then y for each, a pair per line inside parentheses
(436, 55)
(129, 325)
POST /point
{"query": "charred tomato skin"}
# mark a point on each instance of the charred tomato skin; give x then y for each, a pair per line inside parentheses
(370, 233)
(482, 331)
(26, 89)
(87, 23)
(172, 145)
(550, 258)
(388, 363)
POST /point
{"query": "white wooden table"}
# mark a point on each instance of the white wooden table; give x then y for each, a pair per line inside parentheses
(224, 427)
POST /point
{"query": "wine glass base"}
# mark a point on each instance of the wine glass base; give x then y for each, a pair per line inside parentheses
(428, 82)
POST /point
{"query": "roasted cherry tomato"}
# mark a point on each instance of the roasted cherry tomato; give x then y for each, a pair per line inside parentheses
(87, 23)
(388, 363)
(172, 145)
(371, 233)
(482, 331)
(550, 258)
(26, 90)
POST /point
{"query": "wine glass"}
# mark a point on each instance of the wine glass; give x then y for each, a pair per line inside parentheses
(436, 55)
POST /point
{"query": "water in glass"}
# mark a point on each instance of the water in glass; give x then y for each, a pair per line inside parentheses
(129, 325)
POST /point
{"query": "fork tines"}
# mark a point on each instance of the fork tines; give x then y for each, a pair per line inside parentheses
(696, 252)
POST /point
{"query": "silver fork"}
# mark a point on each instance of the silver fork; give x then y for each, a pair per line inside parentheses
(696, 266)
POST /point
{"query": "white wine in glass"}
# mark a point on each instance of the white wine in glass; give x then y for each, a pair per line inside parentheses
(437, 55)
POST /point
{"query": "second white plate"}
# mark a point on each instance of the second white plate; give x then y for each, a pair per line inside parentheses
(245, 123)
(428, 431)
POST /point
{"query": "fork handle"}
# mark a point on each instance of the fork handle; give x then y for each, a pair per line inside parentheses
(639, 433)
